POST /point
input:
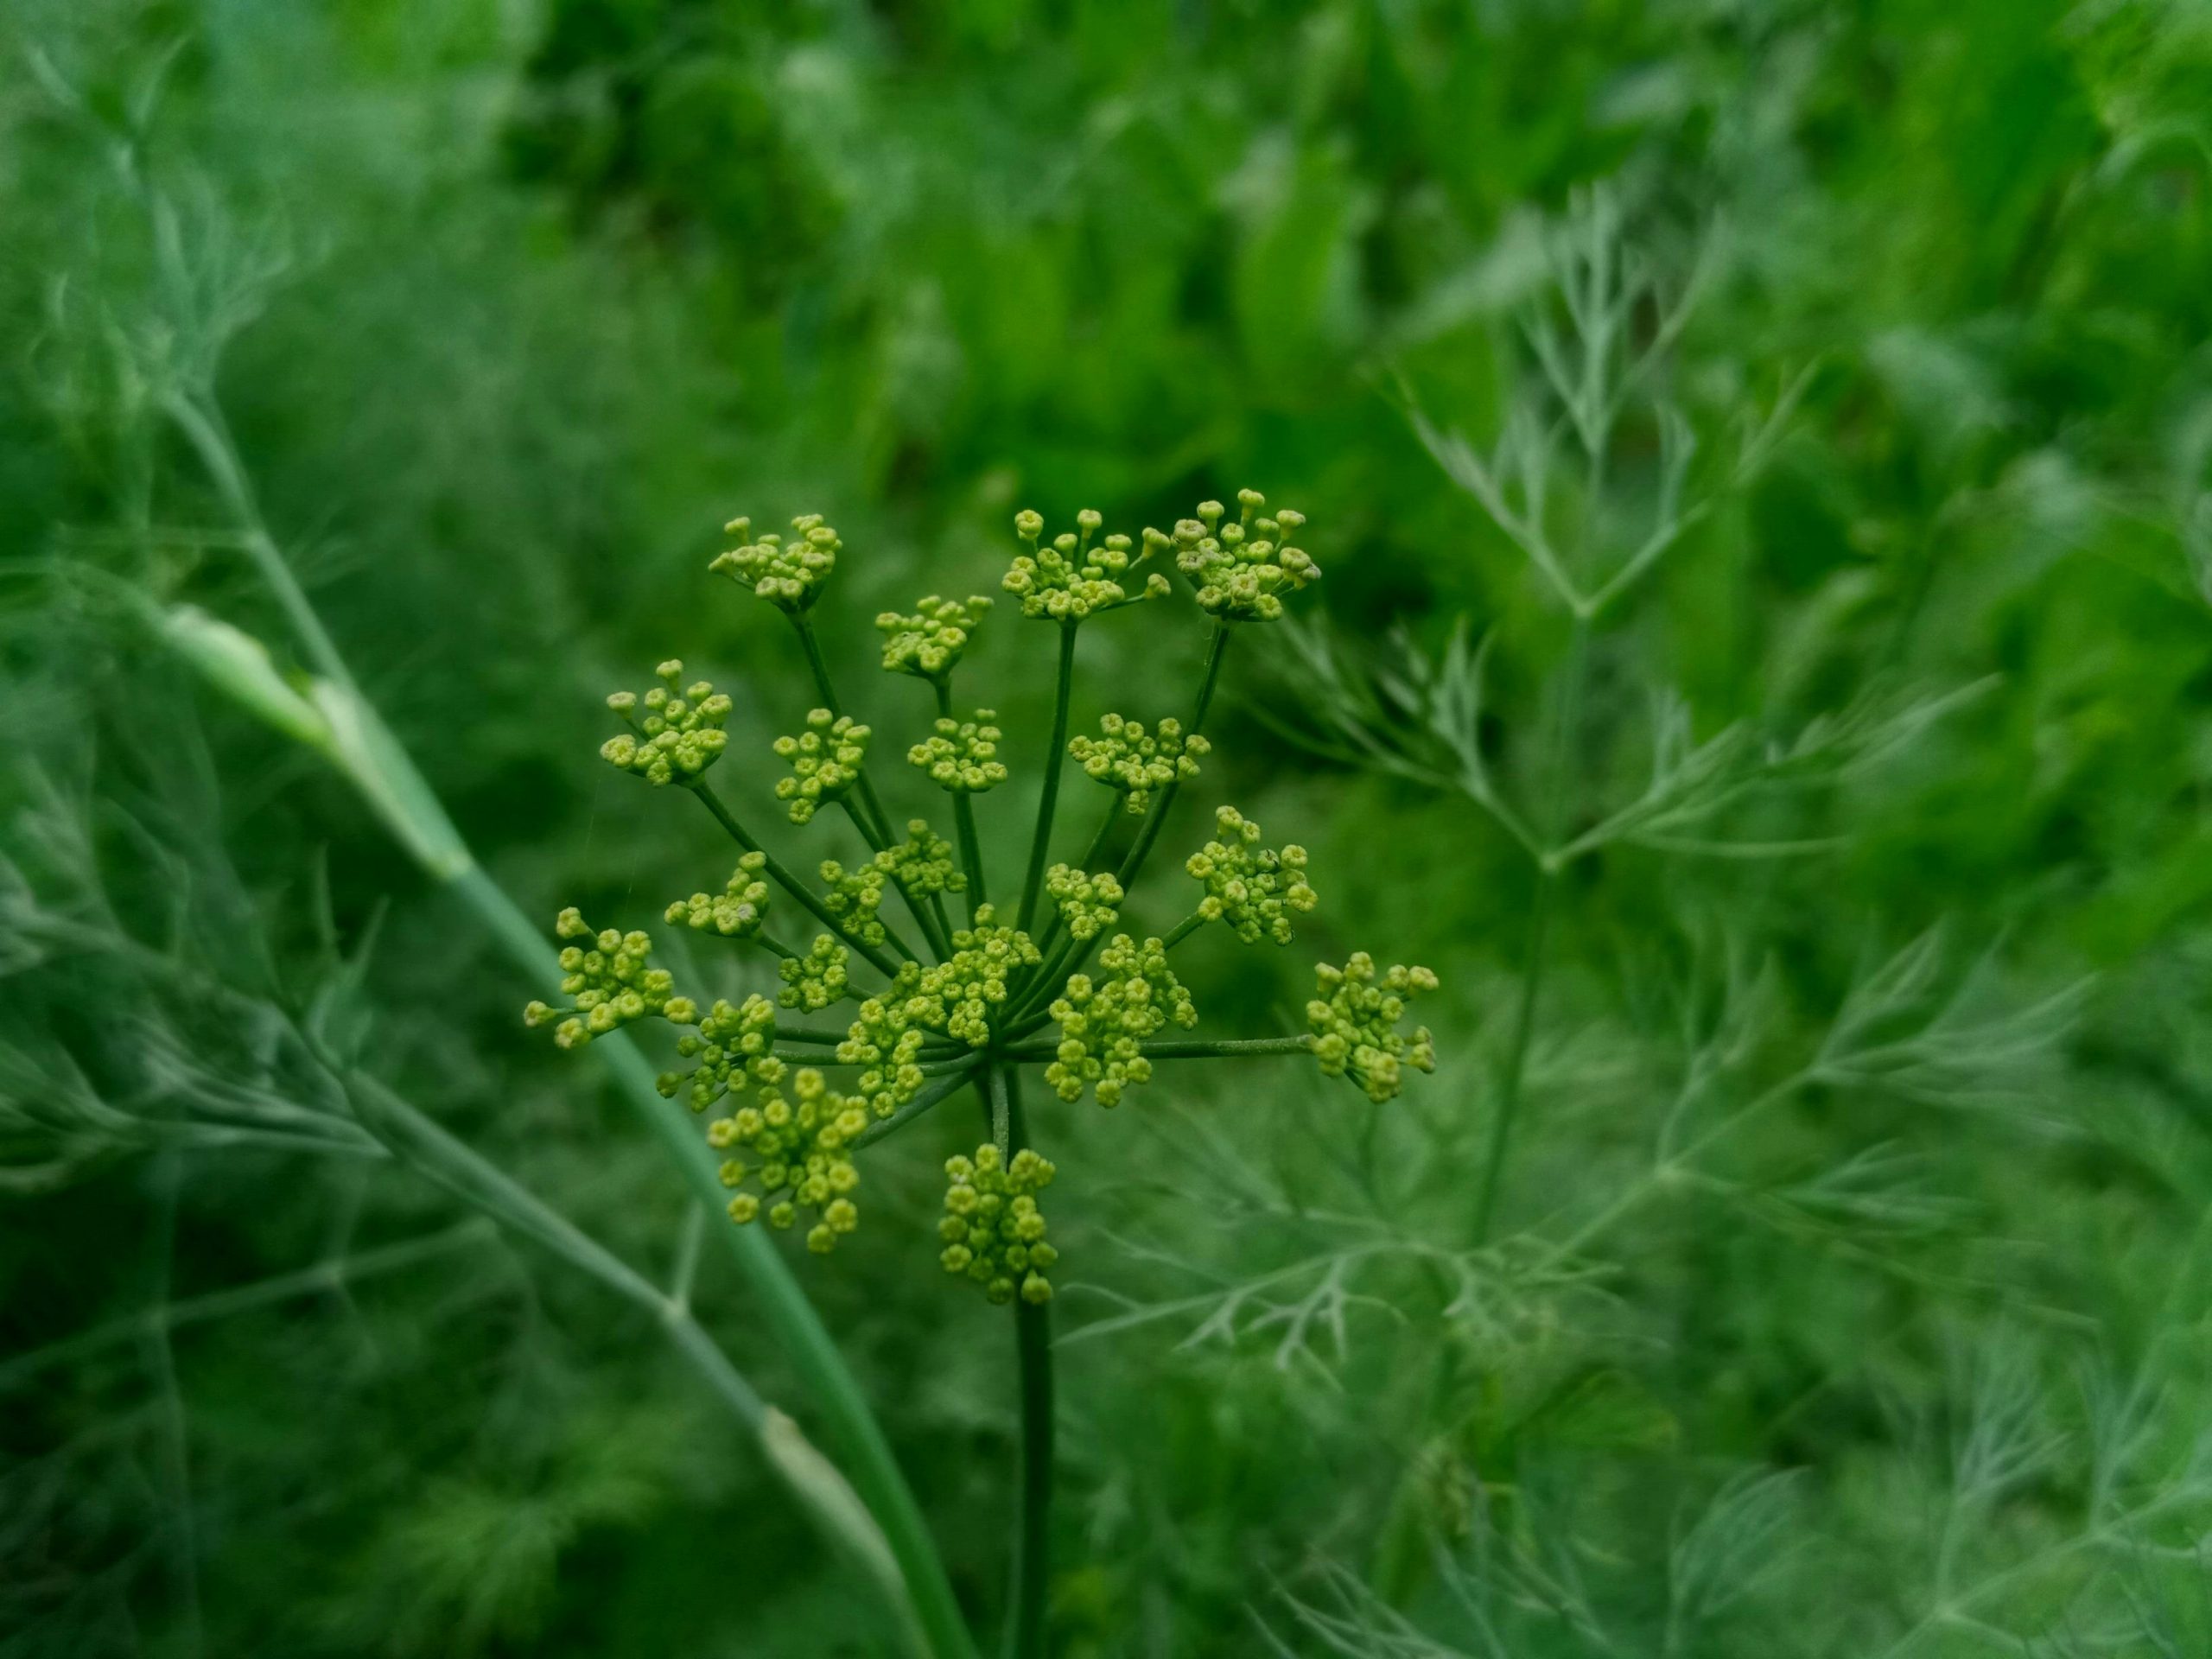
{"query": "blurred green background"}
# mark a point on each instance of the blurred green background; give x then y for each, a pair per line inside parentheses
(509, 304)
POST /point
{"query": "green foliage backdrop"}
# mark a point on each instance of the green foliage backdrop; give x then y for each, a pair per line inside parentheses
(1845, 1291)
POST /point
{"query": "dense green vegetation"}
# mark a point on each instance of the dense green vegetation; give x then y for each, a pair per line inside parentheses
(1801, 796)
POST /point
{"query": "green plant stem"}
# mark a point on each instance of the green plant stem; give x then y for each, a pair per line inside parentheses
(958, 1076)
(835, 1508)
(1183, 930)
(432, 838)
(1032, 1344)
(784, 1306)
(784, 879)
(819, 667)
(1055, 758)
(963, 818)
(1196, 1049)
(1513, 1079)
(1057, 971)
(1157, 818)
(1052, 933)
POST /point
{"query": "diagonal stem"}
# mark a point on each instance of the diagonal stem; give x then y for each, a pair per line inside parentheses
(787, 880)
(819, 666)
(1032, 1347)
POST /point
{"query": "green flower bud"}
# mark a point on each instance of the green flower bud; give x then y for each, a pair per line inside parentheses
(1254, 889)
(788, 574)
(930, 643)
(1354, 1020)
(1067, 579)
(738, 912)
(1125, 757)
(961, 754)
(1086, 902)
(678, 735)
(1005, 1260)
(1104, 1023)
(816, 979)
(1240, 571)
(609, 984)
(825, 761)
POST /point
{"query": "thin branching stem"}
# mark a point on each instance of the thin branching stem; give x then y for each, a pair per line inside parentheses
(784, 879)
(963, 817)
(958, 1075)
(1195, 1049)
(1033, 1343)
(819, 666)
(1055, 759)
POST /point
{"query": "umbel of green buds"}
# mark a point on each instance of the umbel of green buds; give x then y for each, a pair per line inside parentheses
(1067, 579)
(992, 1230)
(786, 573)
(961, 754)
(736, 912)
(925, 1029)
(825, 760)
(1253, 888)
(1242, 570)
(1103, 1024)
(930, 643)
(818, 978)
(673, 736)
(1124, 756)
(609, 985)
(1354, 1019)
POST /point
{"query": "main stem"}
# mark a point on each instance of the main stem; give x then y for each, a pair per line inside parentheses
(819, 667)
(1032, 1347)
(1054, 757)
(1511, 1082)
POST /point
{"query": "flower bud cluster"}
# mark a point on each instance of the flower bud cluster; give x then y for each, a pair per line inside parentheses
(1086, 902)
(930, 643)
(1103, 1024)
(994, 1232)
(854, 897)
(732, 1044)
(1253, 889)
(825, 762)
(677, 737)
(816, 979)
(609, 985)
(806, 1160)
(786, 573)
(737, 912)
(1127, 757)
(958, 996)
(963, 753)
(886, 1043)
(1066, 579)
(1240, 571)
(1354, 1021)
(924, 863)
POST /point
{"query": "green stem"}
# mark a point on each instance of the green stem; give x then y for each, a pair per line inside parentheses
(783, 1306)
(1183, 930)
(1052, 933)
(958, 1077)
(1196, 1049)
(419, 819)
(1032, 1347)
(1512, 1081)
(420, 1140)
(789, 882)
(1055, 758)
(803, 625)
(1057, 971)
(1157, 818)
